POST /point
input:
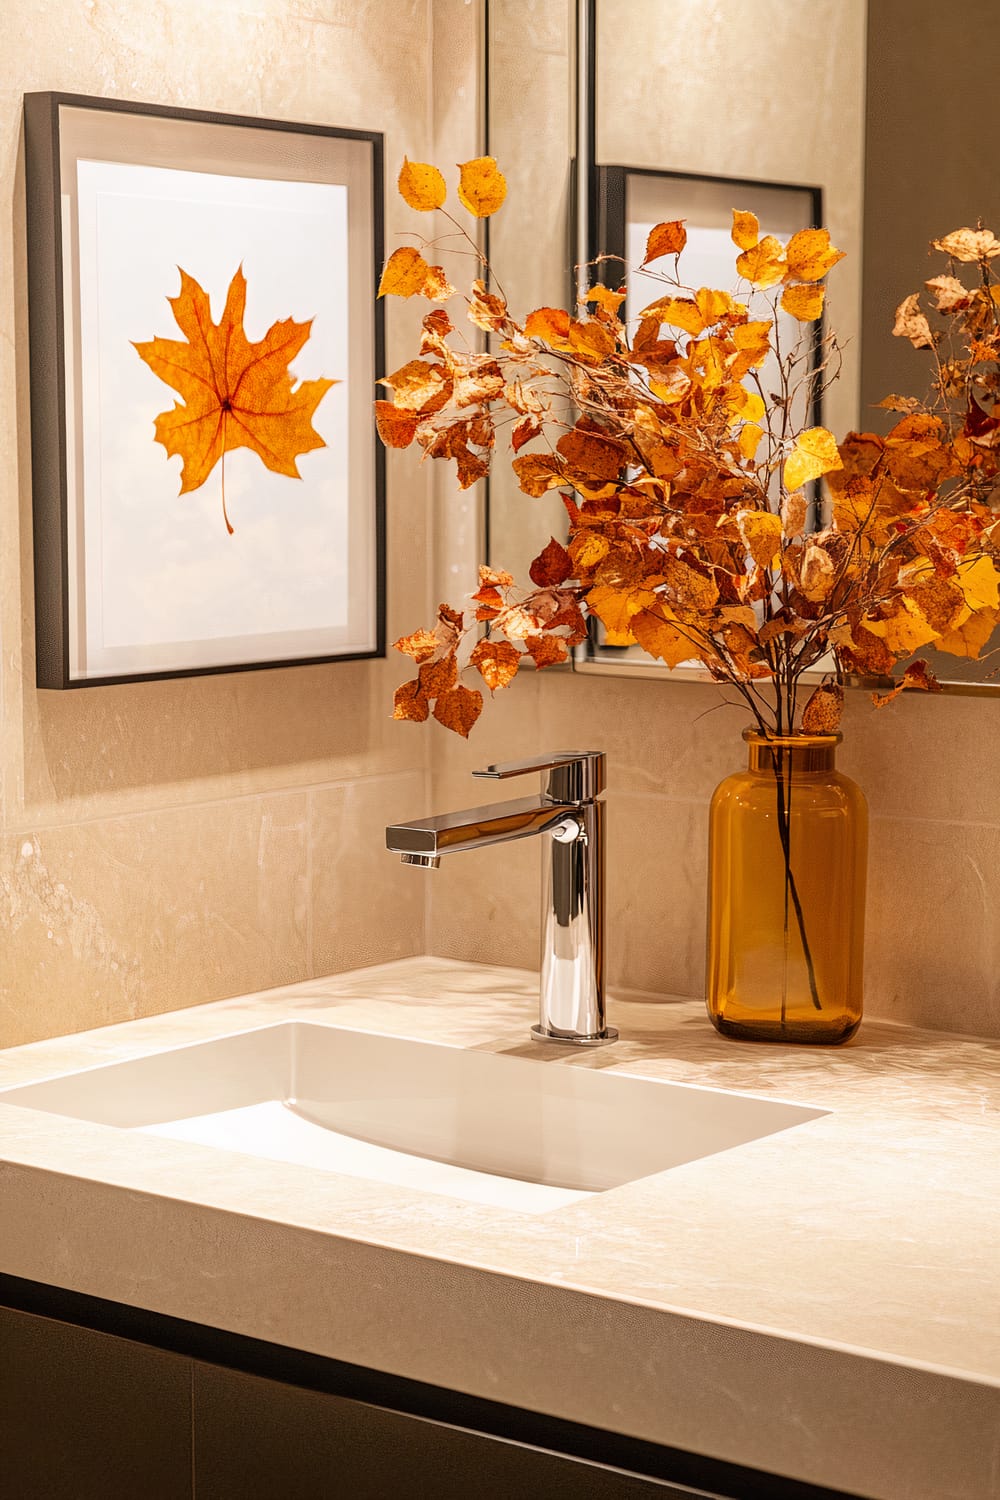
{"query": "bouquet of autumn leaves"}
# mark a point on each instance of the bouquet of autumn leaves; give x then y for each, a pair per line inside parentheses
(693, 526)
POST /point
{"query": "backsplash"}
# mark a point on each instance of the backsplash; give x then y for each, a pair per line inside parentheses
(926, 765)
(165, 843)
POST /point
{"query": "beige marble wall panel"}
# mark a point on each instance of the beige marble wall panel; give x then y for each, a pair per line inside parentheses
(124, 917)
(766, 89)
(366, 907)
(160, 836)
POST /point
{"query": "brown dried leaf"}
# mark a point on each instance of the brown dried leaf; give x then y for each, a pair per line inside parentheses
(969, 244)
(410, 702)
(821, 714)
(459, 709)
(487, 309)
(547, 650)
(552, 566)
(538, 472)
(912, 324)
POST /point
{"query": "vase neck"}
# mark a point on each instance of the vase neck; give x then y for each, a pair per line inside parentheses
(795, 754)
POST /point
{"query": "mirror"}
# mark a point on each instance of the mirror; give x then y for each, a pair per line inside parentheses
(859, 100)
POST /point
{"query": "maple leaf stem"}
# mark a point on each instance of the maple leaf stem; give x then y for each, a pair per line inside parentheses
(222, 466)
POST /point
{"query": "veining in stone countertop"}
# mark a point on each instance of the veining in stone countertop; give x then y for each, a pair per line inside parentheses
(822, 1303)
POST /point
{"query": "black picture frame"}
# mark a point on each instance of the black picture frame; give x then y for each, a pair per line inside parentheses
(50, 442)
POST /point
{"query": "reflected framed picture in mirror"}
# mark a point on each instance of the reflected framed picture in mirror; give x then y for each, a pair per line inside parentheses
(629, 202)
(207, 486)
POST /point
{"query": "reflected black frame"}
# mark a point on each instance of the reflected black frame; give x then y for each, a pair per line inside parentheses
(47, 344)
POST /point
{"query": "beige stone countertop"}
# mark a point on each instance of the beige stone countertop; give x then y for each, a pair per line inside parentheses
(823, 1303)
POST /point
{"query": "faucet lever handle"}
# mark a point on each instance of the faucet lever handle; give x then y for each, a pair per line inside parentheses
(576, 775)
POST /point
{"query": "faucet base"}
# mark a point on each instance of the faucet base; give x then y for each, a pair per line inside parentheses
(609, 1034)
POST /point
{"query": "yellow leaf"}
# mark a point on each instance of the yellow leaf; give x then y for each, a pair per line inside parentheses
(980, 583)
(905, 631)
(749, 439)
(746, 229)
(482, 187)
(657, 635)
(616, 608)
(405, 273)
(753, 341)
(588, 548)
(761, 533)
(804, 301)
(815, 453)
(607, 300)
(714, 305)
(763, 264)
(970, 636)
(421, 185)
(665, 239)
(745, 405)
(810, 255)
(682, 312)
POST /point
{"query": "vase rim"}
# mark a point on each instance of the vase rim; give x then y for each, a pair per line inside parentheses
(753, 736)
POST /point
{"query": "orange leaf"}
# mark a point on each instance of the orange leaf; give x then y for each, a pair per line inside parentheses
(746, 229)
(763, 264)
(497, 663)
(657, 635)
(396, 428)
(459, 709)
(810, 255)
(523, 431)
(550, 324)
(420, 645)
(482, 186)
(552, 566)
(419, 387)
(421, 185)
(409, 702)
(407, 274)
(236, 394)
(970, 636)
(537, 472)
(917, 675)
(547, 650)
(665, 239)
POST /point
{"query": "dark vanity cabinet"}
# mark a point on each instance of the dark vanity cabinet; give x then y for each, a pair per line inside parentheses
(101, 1402)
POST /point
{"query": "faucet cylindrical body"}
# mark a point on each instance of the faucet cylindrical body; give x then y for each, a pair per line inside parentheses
(571, 995)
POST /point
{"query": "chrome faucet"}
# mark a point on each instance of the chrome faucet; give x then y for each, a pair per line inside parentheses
(570, 811)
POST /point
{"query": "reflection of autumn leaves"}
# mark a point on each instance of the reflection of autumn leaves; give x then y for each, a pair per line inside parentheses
(236, 394)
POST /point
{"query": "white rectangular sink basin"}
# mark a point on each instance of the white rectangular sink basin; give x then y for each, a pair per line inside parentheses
(510, 1131)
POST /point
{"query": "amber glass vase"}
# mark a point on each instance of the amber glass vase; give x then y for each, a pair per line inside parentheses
(788, 848)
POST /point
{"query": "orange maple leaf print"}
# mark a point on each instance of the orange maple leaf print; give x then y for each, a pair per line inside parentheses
(236, 394)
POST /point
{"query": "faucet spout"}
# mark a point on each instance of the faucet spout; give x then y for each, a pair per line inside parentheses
(569, 813)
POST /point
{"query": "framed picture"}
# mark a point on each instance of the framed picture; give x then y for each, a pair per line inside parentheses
(628, 202)
(205, 341)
